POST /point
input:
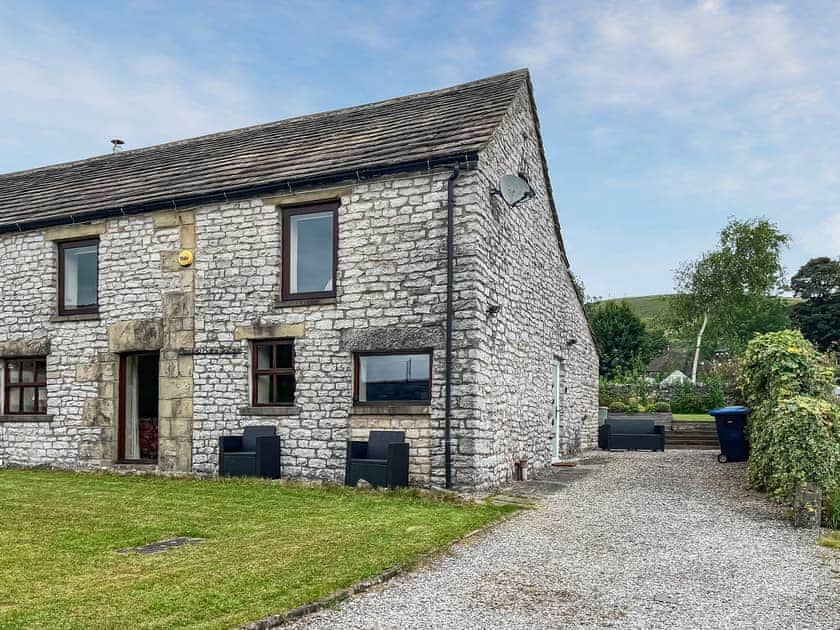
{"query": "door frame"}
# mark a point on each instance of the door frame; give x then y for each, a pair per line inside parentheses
(121, 408)
(556, 378)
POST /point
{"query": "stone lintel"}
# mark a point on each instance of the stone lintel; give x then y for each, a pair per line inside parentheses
(391, 338)
(25, 348)
(309, 196)
(172, 218)
(78, 230)
(135, 335)
(276, 331)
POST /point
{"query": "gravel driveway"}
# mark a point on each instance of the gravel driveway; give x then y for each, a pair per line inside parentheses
(648, 540)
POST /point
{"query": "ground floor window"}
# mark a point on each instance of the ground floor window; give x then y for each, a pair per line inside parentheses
(404, 377)
(273, 371)
(25, 384)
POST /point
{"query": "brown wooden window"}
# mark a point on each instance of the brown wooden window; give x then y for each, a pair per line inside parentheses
(25, 386)
(404, 377)
(273, 372)
(310, 246)
(78, 277)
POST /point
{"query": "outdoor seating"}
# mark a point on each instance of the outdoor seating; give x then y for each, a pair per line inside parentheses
(382, 461)
(631, 435)
(256, 453)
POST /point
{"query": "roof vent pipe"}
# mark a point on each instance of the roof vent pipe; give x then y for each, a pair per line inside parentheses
(117, 145)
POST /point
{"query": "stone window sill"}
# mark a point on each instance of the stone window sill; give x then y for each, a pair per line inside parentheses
(363, 409)
(26, 418)
(270, 411)
(81, 317)
(280, 303)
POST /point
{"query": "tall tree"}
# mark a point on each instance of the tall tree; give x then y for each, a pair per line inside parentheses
(818, 283)
(624, 343)
(817, 278)
(726, 287)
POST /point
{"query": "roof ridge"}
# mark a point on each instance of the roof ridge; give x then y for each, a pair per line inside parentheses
(522, 72)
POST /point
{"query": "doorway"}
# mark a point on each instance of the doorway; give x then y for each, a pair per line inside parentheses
(138, 409)
(557, 390)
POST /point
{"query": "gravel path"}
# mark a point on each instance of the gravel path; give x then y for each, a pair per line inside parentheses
(648, 540)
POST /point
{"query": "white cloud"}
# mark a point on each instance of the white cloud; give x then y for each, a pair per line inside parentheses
(74, 95)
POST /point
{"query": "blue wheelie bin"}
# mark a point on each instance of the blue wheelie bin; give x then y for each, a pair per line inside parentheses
(731, 424)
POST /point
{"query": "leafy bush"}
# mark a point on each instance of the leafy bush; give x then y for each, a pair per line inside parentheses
(690, 398)
(618, 407)
(796, 442)
(781, 365)
(605, 397)
(794, 426)
(662, 407)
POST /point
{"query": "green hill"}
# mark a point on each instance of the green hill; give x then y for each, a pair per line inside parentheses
(646, 307)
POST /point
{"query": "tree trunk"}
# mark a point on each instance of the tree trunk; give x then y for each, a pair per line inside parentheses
(697, 348)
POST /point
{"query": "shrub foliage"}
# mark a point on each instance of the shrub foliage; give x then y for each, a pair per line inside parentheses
(794, 426)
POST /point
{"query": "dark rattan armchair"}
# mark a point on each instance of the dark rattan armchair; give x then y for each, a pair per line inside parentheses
(254, 454)
(382, 461)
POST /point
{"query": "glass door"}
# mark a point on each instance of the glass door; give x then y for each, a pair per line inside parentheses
(138, 422)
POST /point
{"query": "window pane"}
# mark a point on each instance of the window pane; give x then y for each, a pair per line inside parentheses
(14, 371)
(80, 276)
(284, 387)
(394, 377)
(41, 376)
(264, 389)
(42, 400)
(264, 356)
(284, 356)
(28, 374)
(14, 400)
(311, 255)
(29, 400)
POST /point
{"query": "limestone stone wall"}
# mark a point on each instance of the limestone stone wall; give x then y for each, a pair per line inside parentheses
(390, 296)
(520, 269)
(82, 370)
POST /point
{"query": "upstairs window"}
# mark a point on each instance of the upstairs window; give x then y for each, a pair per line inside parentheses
(78, 271)
(395, 378)
(273, 365)
(25, 385)
(309, 251)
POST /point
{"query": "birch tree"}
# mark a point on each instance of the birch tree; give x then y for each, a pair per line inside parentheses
(741, 275)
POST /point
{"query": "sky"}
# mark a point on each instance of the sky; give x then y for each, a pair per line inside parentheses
(660, 119)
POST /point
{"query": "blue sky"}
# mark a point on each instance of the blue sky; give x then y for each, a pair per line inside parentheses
(660, 119)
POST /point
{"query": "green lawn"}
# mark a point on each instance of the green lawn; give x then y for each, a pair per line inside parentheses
(693, 417)
(269, 548)
(831, 540)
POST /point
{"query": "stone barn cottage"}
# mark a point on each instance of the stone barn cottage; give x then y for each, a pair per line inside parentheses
(328, 275)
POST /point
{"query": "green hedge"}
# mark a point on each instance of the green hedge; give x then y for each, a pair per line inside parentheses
(797, 442)
(794, 426)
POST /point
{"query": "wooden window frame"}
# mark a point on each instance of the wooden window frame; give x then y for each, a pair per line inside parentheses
(357, 373)
(20, 385)
(292, 211)
(63, 246)
(256, 371)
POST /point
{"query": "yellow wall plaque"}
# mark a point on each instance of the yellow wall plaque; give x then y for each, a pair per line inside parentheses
(185, 258)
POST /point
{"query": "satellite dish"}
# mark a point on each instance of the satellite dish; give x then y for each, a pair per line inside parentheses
(514, 189)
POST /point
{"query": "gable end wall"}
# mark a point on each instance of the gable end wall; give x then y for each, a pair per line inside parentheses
(520, 268)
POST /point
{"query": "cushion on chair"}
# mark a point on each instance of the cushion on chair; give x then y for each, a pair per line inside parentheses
(378, 442)
(249, 439)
